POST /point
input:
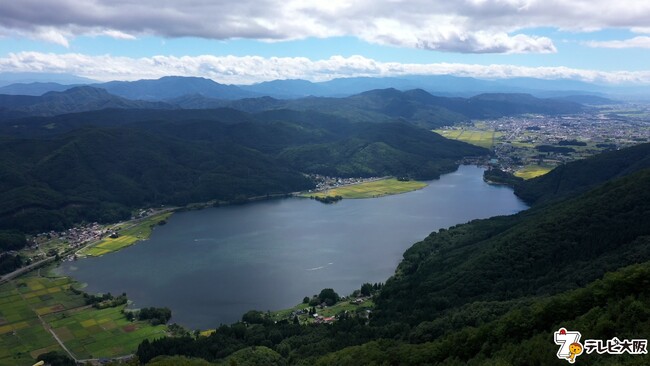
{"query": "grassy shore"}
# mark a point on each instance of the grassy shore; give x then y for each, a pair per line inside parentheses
(372, 189)
(31, 307)
(129, 233)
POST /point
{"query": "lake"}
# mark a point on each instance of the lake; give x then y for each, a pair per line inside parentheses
(213, 265)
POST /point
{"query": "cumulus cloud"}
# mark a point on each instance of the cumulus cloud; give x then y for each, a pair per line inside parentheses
(252, 69)
(636, 42)
(496, 26)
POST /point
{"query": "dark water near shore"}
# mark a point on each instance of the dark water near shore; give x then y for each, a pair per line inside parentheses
(211, 266)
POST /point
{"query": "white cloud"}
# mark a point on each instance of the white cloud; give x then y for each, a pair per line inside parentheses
(636, 42)
(252, 69)
(51, 35)
(642, 30)
(117, 34)
(497, 26)
(47, 34)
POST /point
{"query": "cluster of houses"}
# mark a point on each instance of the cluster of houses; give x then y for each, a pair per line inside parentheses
(320, 319)
(75, 237)
(324, 182)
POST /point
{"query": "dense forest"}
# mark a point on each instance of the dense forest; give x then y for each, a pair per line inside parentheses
(490, 291)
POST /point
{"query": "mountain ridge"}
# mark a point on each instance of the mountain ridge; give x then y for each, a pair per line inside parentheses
(170, 87)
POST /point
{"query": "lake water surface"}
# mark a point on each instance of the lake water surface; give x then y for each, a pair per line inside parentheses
(211, 266)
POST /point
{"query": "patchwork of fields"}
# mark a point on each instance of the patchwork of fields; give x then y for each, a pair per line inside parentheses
(100, 333)
(376, 188)
(31, 307)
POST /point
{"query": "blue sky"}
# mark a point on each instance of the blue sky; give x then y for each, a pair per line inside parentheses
(262, 40)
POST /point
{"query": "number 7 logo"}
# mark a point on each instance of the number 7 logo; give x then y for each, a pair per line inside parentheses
(570, 346)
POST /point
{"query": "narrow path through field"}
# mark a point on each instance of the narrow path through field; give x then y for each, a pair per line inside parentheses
(47, 327)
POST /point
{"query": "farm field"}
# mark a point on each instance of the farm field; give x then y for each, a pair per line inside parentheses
(22, 335)
(31, 305)
(129, 234)
(478, 137)
(532, 171)
(376, 188)
(101, 333)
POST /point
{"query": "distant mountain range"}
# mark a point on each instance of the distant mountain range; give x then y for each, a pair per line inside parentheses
(442, 85)
(8, 78)
(381, 105)
(76, 99)
(172, 87)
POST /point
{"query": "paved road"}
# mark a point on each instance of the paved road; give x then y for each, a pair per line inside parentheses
(25, 269)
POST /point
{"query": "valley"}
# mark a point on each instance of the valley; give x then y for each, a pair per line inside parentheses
(92, 190)
(333, 183)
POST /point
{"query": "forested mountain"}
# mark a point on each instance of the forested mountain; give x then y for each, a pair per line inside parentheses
(30, 127)
(490, 291)
(416, 106)
(98, 165)
(381, 105)
(77, 99)
(579, 176)
(537, 252)
(169, 87)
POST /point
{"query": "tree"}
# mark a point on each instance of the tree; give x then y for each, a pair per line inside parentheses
(254, 317)
(366, 289)
(328, 296)
(55, 358)
(12, 240)
(155, 315)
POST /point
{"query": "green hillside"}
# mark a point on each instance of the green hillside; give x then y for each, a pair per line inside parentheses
(579, 176)
(537, 252)
(415, 106)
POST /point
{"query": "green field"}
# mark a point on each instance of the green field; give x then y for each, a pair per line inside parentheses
(532, 171)
(22, 336)
(129, 233)
(84, 330)
(101, 333)
(478, 137)
(376, 188)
